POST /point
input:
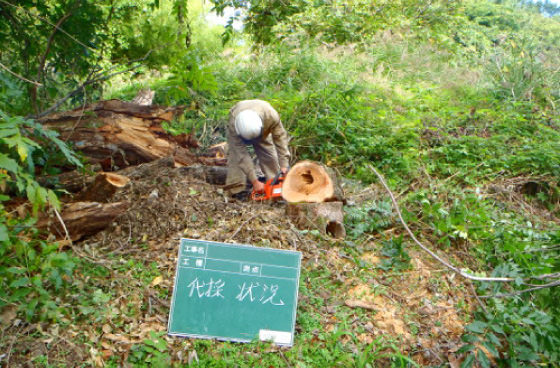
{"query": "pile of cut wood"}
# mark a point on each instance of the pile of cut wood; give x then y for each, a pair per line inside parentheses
(123, 141)
(120, 140)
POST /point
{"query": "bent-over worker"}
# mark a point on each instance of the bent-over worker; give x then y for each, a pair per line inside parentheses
(256, 123)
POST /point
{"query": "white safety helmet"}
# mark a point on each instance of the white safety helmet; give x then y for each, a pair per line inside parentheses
(248, 124)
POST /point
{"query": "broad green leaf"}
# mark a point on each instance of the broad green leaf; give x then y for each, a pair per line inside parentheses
(465, 348)
(20, 282)
(31, 193)
(497, 329)
(41, 195)
(469, 338)
(8, 164)
(17, 270)
(477, 326)
(493, 339)
(8, 132)
(53, 199)
(468, 362)
(4, 236)
(491, 348)
(482, 358)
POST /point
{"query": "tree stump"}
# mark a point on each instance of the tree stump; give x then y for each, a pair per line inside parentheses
(315, 198)
(327, 217)
(311, 182)
(103, 187)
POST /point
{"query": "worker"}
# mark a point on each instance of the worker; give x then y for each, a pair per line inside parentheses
(254, 123)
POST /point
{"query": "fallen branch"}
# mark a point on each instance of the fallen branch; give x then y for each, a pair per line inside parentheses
(359, 304)
(63, 225)
(447, 264)
(519, 292)
(241, 227)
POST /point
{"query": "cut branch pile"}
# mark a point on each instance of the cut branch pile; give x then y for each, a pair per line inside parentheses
(123, 142)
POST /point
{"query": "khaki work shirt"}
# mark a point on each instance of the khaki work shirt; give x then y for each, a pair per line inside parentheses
(271, 126)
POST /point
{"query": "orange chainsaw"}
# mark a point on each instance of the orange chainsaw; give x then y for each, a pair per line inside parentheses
(272, 189)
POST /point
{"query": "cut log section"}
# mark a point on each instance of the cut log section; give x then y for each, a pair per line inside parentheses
(82, 219)
(103, 187)
(119, 134)
(211, 174)
(309, 181)
(327, 217)
(71, 181)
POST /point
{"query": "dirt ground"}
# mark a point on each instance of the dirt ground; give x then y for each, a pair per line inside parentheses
(425, 307)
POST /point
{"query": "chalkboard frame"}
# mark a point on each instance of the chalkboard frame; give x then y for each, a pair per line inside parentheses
(264, 334)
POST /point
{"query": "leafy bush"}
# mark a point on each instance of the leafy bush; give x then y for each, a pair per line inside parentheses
(31, 269)
(27, 147)
(369, 217)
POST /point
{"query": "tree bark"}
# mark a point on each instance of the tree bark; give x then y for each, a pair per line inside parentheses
(71, 181)
(82, 219)
(104, 186)
(313, 182)
(211, 174)
(326, 217)
(119, 134)
(144, 97)
(148, 168)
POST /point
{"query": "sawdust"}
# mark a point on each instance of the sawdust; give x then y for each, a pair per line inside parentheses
(388, 317)
(371, 258)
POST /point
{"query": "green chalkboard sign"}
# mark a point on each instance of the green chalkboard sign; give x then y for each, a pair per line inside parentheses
(235, 292)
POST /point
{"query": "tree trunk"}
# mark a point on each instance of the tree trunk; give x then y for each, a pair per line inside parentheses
(327, 217)
(82, 219)
(72, 181)
(312, 182)
(211, 174)
(119, 134)
(103, 187)
(148, 168)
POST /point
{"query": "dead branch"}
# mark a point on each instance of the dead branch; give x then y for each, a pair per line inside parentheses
(19, 76)
(447, 264)
(43, 60)
(57, 104)
(519, 292)
(241, 227)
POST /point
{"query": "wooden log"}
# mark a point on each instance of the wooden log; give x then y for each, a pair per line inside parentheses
(148, 169)
(82, 219)
(103, 187)
(313, 182)
(71, 181)
(211, 174)
(327, 217)
(119, 134)
(144, 97)
(108, 107)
